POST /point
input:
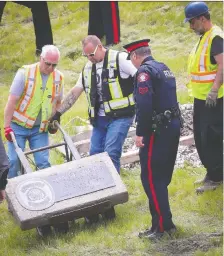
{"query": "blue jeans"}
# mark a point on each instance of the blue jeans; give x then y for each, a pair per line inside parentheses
(36, 140)
(108, 136)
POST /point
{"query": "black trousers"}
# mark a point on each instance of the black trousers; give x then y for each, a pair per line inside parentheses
(157, 159)
(104, 21)
(208, 135)
(4, 164)
(41, 21)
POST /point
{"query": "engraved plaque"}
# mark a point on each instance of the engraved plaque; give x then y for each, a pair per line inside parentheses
(35, 194)
(80, 180)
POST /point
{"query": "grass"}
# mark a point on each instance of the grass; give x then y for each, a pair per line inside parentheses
(193, 215)
(171, 42)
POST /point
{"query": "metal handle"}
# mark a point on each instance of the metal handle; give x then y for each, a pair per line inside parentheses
(69, 141)
(21, 155)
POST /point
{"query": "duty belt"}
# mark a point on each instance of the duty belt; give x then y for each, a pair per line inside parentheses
(165, 117)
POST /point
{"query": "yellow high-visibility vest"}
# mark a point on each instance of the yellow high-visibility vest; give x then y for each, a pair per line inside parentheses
(200, 69)
(117, 97)
(35, 99)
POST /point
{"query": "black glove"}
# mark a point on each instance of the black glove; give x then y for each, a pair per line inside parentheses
(51, 127)
(56, 116)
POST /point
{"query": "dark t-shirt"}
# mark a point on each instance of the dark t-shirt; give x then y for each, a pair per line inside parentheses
(216, 48)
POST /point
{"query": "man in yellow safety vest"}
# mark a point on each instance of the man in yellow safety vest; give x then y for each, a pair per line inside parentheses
(35, 95)
(205, 68)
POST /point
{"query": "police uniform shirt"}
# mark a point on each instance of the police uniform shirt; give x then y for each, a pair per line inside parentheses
(150, 95)
(126, 69)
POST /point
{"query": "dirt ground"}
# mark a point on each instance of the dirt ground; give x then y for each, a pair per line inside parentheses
(188, 246)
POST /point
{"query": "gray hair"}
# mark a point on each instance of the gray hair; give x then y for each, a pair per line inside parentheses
(143, 51)
(94, 40)
(49, 48)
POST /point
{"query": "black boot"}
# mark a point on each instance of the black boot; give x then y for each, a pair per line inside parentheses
(145, 233)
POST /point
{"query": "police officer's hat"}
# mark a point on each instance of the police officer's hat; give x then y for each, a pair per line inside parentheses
(135, 45)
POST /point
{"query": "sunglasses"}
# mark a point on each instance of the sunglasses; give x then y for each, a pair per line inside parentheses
(91, 54)
(50, 64)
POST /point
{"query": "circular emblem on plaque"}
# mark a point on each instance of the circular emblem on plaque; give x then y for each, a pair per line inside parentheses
(35, 194)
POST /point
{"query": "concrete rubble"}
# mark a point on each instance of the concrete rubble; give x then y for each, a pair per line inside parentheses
(185, 154)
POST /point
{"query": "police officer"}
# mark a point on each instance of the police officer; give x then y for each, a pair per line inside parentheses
(157, 133)
(41, 22)
(104, 20)
(205, 67)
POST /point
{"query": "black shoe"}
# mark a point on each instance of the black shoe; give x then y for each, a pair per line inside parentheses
(159, 235)
(145, 233)
(61, 227)
(44, 231)
(92, 219)
(109, 214)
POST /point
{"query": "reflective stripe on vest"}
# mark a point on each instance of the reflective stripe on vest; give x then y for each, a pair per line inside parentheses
(118, 104)
(114, 85)
(22, 118)
(202, 67)
(203, 78)
(87, 80)
(92, 112)
(29, 88)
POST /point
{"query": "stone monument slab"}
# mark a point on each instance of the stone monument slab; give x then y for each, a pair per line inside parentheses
(75, 189)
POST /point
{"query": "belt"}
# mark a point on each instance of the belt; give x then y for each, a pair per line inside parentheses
(166, 116)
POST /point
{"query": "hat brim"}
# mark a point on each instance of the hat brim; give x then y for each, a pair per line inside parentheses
(187, 19)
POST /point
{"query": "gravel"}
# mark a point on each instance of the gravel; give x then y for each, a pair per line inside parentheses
(185, 154)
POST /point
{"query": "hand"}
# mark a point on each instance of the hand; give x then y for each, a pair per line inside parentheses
(52, 129)
(2, 196)
(56, 116)
(139, 142)
(211, 99)
(7, 133)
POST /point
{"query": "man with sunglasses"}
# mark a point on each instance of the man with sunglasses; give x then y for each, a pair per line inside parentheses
(205, 68)
(35, 94)
(107, 79)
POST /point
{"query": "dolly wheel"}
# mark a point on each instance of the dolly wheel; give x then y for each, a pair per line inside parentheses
(92, 219)
(109, 214)
(44, 231)
(62, 227)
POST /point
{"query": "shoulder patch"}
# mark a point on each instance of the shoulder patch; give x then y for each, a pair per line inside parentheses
(142, 77)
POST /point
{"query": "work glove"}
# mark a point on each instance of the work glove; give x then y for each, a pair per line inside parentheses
(211, 99)
(7, 133)
(51, 127)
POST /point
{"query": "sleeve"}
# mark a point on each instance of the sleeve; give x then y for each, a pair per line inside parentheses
(217, 46)
(126, 66)
(79, 82)
(18, 83)
(143, 98)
